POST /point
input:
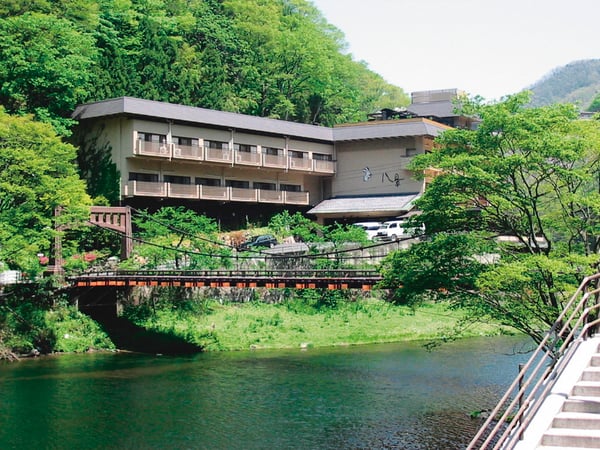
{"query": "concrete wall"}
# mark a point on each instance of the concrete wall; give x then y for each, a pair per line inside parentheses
(376, 167)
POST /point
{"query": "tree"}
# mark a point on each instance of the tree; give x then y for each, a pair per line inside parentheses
(523, 190)
(176, 237)
(595, 105)
(45, 67)
(37, 175)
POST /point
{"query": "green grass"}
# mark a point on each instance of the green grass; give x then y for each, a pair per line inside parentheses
(235, 326)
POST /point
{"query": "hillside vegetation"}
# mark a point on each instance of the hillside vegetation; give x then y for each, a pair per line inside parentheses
(577, 82)
(270, 58)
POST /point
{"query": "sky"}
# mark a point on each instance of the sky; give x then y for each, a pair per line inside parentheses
(490, 48)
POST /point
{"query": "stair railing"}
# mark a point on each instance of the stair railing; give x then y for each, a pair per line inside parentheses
(506, 423)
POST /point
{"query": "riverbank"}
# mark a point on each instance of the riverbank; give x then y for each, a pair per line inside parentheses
(217, 326)
(165, 321)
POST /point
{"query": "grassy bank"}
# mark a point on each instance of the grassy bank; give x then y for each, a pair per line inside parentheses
(297, 323)
(33, 320)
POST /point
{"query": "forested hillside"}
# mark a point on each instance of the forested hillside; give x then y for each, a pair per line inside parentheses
(578, 82)
(272, 58)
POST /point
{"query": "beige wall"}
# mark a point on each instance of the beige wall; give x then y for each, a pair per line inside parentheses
(375, 167)
(385, 159)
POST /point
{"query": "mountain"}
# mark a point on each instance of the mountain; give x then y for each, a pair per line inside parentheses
(577, 82)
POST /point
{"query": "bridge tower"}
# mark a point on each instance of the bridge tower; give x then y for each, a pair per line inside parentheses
(116, 218)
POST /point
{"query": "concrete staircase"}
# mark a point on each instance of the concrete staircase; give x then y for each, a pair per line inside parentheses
(576, 424)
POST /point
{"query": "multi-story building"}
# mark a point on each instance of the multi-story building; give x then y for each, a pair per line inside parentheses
(245, 168)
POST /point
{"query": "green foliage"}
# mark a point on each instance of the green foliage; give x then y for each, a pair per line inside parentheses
(441, 268)
(529, 175)
(37, 175)
(176, 237)
(96, 167)
(302, 228)
(595, 105)
(75, 332)
(311, 319)
(267, 58)
(31, 318)
(577, 82)
(341, 234)
(46, 67)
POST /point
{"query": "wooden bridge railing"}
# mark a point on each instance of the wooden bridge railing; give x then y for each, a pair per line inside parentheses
(270, 278)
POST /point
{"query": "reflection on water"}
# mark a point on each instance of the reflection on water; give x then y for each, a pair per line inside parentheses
(380, 396)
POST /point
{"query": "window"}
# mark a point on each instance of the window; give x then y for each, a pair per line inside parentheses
(155, 138)
(273, 151)
(265, 186)
(237, 184)
(177, 179)
(245, 148)
(190, 142)
(208, 181)
(290, 187)
(411, 152)
(217, 145)
(136, 176)
(297, 154)
(321, 157)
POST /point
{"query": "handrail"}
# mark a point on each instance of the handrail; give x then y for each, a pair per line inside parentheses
(541, 371)
(289, 273)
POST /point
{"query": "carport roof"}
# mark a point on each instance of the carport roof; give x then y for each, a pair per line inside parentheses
(385, 205)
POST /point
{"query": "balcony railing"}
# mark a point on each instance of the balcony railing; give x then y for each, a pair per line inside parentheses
(301, 163)
(152, 149)
(220, 155)
(323, 166)
(220, 193)
(269, 196)
(194, 153)
(247, 158)
(274, 161)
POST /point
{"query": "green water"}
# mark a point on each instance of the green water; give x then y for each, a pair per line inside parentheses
(367, 397)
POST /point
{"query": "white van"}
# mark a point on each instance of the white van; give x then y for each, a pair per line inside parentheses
(371, 228)
(393, 230)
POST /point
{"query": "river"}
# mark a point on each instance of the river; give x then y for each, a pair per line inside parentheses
(387, 396)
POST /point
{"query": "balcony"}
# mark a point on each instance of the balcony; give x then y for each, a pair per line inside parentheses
(145, 148)
(247, 158)
(218, 155)
(227, 156)
(188, 152)
(323, 166)
(274, 161)
(301, 163)
(145, 189)
(218, 193)
(269, 196)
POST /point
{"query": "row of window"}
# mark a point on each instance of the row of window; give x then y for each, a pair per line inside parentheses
(218, 145)
(180, 179)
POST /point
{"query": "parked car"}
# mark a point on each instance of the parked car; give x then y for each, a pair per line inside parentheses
(370, 228)
(391, 231)
(263, 240)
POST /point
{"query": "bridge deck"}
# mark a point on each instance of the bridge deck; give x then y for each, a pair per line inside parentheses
(297, 279)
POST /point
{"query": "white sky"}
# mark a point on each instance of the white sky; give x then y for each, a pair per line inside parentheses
(485, 47)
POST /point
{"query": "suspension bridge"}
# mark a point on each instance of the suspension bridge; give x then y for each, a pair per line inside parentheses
(267, 278)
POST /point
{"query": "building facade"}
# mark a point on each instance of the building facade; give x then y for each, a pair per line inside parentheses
(240, 168)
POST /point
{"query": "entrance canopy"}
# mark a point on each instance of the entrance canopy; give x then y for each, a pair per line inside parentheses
(374, 207)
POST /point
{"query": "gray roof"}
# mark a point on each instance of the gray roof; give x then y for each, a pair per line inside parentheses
(385, 205)
(387, 129)
(191, 114)
(443, 108)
